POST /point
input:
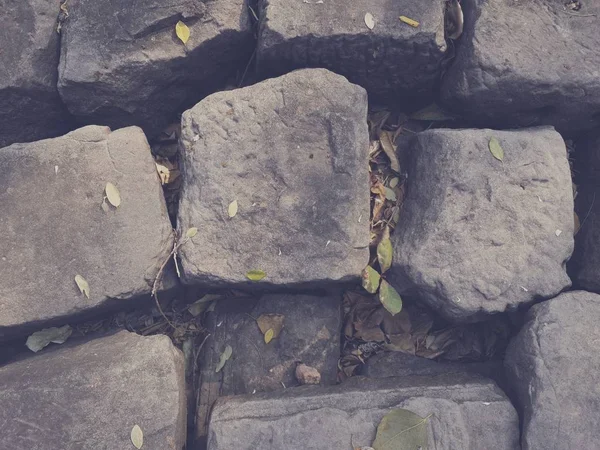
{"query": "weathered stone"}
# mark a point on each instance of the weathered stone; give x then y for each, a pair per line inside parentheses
(391, 60)
(54, 226)
(553, 364)
(90, 395)
(292, 151)
(464, 413)
(585, 263)
(310, 335)
(122, 64)
(478, 235)
(398, 364)
(527, 63)
(30, 107)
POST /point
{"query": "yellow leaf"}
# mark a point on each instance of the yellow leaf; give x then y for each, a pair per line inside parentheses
(409, 21)
(496, 149)
(182, 31)
(255, 275)
(137, 437)
(272, 322)
(112, 194)
(394, 182)
(369, 21)
(191, 232)
(269, 335)
(233, 208)
(224, 358)
(83, 285)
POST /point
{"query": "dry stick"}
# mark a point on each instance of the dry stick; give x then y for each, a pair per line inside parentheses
(176, 247)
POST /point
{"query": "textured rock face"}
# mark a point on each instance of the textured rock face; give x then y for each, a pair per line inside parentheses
(55, 228)
(122, 64)
(478, 235)
(90, 395)
(292, 152)
(585, 264)
(30, 107)
(310, 335)
(553, 365)
(466, 413)
(392, 59)
(527, 63)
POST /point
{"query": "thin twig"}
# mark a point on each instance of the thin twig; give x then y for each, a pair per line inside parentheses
(579, 15)
(588, 213)
(247, 67)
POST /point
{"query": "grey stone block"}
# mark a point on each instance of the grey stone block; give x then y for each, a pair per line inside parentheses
(478, 235)
(292, 151)
(89, 395)
(391, 60)
(54, 227)
(122, 64)
(310, 335)
(466, 413)
(30, 107)
(553, 364)
(527, 63)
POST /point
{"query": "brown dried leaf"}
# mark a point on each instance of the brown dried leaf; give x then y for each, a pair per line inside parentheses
(387, 143)
(273, 322)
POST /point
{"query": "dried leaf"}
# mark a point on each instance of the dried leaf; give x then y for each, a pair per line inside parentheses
(387, 143)
(269, 335)
(182, 31)
(390, 194)
(407, 20)
(191, 232)
(394, 182)
(389, 298)
(137, 436)
(255, 275)
(432, 113)
(83, 285)
(401, 429)
(496, 149)
(202, 304)
(384, 254)
(167, 171)
(370, 279)
(224, 358)
(42, 338)
(270, 322)
(112, 195)
(233, 208)
(369, 21)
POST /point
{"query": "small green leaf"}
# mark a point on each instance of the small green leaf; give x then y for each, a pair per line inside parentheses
(182, 31)
(191, 232)
(390, 194)
(83, 285)
(42, 338)
(370, 279)
(384, 254)
(394, 182)
(232, 209)
(389, 298)
(401, 429)
(137, 436)
(256, 275)
(224, 358)
(112, 194)
(269, 335)
(496, 149)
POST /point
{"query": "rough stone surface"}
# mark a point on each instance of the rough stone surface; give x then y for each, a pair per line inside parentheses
(54, 228)
(30, 107)
(310, 335)
(466, 413)
(394, 59)
(478, 235)
(122, 64)
(585, 264)
(398, 364)
(554, 365)
(292, 151)
(527, 63)
(88, 396)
